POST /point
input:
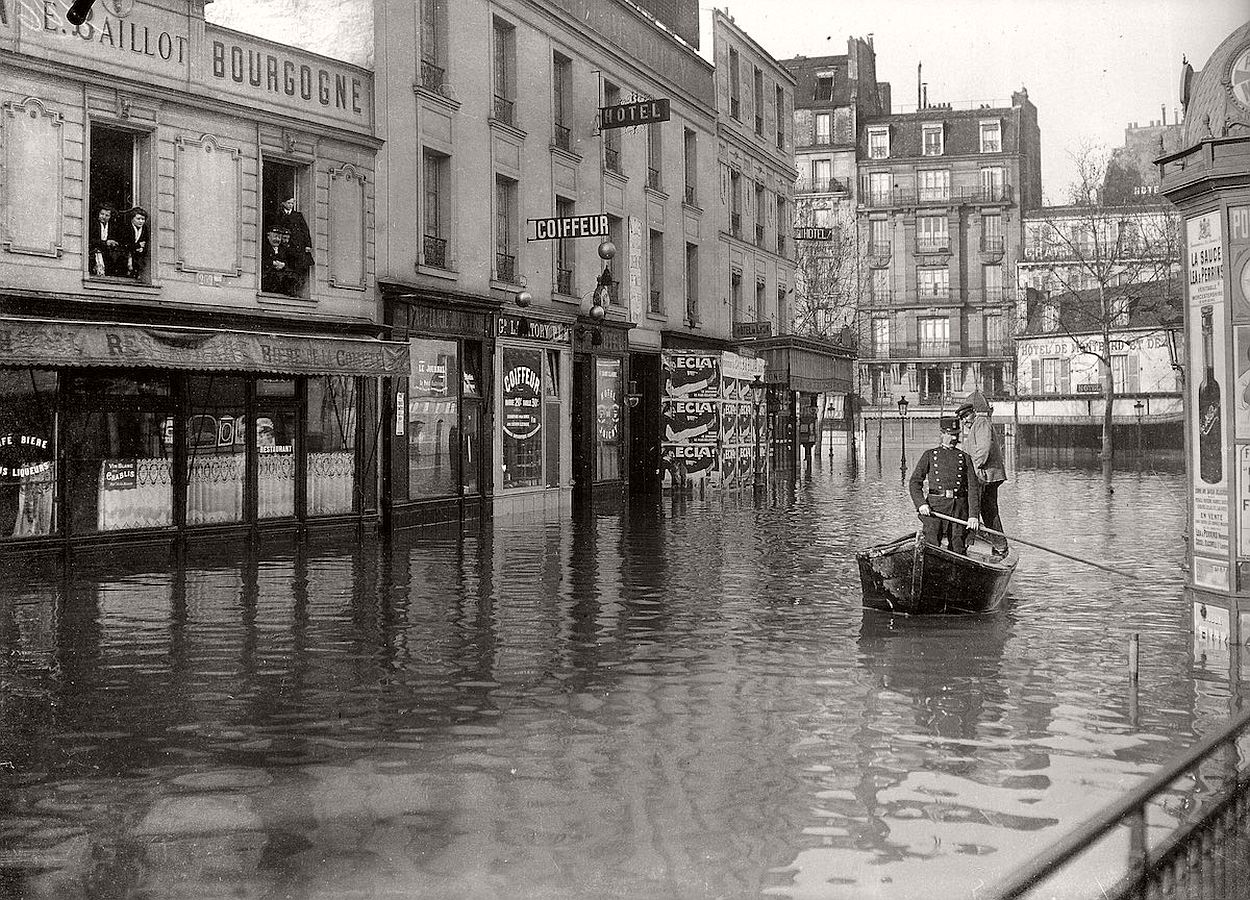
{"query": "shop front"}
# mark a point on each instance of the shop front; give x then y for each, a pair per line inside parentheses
(600, 432)
(441, 448)
(533, 363)
(114, 431)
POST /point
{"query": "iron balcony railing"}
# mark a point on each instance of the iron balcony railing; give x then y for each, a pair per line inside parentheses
(657, 304)
(998, 294)
(735, 224)
(433, 78)
(821, 186)
(612, 159)
(759, 236)
(992, 244)
(690, 195)
(692, 311)
(505, 267)
(434, 251)
(734, 107)
(881, 298)
(939, 294)
(562, 137)
(759, 124)
(781, 140)
(653, 178)
(933, 245)
(504, 110)
(949, 349)
(564, 282)
(879, 248)
(1204, 799)
(781, 245)
(913, 197)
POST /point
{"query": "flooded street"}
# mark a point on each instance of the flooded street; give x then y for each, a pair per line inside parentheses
(664, 701)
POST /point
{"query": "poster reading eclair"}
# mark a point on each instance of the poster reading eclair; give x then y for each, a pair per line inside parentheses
(691, 375)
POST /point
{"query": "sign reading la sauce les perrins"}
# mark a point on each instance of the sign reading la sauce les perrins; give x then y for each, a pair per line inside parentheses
(155, 43)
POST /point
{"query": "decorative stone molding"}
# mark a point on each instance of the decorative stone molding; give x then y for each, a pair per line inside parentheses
(32, 192)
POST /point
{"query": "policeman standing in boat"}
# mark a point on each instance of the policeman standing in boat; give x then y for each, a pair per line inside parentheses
(952, 489)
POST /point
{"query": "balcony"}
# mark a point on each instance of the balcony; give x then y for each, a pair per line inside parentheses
(657, 304)
(564, 282)
(735, 108)
(993, 244)
(505, 110)
(882, 198)
(995, 193)
(933, 245)
(880, 249)
(562, 138)
(612, 159)
(690, 195)
(881, 298)
(781, 245)
(692, 311)
(781, 140)
(653, 178)
(938, 195)
(921, 196)
(505, 268)
(759, 236)
(934, 294)
(820, 186)
(434, 251)
(433, 78)
(759, 124)
(913, 350)
(998, 294)
(735, 224)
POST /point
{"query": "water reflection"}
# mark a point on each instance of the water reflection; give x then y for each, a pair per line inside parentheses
(665, 699)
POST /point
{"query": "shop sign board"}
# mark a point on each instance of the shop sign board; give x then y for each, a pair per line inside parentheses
(522, 400)
(534, 330)
(813, 233)
(556, 228)
(639, 112)
(752, 329)
(119, 474)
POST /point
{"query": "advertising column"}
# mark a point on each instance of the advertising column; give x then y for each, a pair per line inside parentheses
(1208, 402)
(689, 411)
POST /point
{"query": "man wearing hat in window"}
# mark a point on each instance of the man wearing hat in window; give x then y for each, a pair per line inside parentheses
(976, 433)
(275, 277)
(952, 489)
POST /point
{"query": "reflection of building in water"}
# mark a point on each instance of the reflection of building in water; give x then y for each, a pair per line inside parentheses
(148, 380)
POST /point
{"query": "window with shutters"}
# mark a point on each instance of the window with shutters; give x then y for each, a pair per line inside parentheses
(878, 143)
(931, 139)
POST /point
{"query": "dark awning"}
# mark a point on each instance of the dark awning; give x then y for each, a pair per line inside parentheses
(47, 342)
(804, 364)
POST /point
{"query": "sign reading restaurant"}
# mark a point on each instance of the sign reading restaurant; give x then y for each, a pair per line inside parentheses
(556, 228)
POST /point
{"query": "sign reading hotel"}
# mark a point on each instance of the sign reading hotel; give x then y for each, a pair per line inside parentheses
(556, 228)
(813, 233)
(627, 115)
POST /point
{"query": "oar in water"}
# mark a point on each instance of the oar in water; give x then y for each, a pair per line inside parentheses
(1021, 540)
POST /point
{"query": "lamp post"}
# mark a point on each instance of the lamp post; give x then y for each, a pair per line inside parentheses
(902, 427)
(757, 395)
(603, 284)
(1139, 408)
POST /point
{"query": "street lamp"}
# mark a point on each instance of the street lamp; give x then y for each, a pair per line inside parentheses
(1139, 408)
(757, 395)
(902, 427)
(603, 284)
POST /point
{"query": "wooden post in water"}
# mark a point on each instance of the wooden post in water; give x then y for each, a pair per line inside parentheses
(1132, 658)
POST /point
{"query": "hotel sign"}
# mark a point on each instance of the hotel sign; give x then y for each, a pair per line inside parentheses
(557, 228)
(627, 115)
(813, 233)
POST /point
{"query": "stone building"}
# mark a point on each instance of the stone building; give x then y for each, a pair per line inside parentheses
(188, 338)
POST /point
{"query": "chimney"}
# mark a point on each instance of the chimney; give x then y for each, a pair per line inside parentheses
(1164, 108)
(870, 40)
(924, 90)
(919, 95)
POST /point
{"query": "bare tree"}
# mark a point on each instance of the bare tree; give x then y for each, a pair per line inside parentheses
(1107, 265)
(828, 276)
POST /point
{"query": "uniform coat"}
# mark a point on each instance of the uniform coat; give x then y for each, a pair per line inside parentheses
(952, 489)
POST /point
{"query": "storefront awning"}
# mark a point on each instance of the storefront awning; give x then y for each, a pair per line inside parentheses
(46, 342)
(804, 364)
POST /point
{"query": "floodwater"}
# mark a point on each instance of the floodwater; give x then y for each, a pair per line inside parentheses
(674, 700)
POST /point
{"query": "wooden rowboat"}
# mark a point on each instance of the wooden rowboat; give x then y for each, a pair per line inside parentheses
(910, 577)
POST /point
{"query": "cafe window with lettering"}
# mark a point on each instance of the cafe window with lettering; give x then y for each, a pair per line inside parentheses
(28, 459)
(117, 440)
(522, 393)
(433, 419)
(276, 423)
(331, 410)
(608, 398)
(120, 224)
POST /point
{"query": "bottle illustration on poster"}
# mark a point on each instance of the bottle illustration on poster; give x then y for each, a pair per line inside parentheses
(1210, 451)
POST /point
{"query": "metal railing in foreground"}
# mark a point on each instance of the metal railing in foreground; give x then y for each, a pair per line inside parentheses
(1206, 856)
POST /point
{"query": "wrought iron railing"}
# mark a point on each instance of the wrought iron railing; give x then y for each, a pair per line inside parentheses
(657, 305)
(911, 196)
(759, 236)
(992, 244)
(759, 124)
(933, 245)
(561, 137)
(504, 110)
(690, 195)
(692, 310)
(433, 78)
(821, 186)
(1203, 855)
(879, 248)
(564, 282)
(505, 267)
(653, 178)
(781, 244)
(734, 107)
(735, 224)
(434, 251)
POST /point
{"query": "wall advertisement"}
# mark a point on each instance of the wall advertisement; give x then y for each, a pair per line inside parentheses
(1208, 428)
(708, 418)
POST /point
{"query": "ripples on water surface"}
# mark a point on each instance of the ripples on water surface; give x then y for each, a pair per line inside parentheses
(676, 701)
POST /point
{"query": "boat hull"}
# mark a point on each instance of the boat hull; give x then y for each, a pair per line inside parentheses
(910, 577)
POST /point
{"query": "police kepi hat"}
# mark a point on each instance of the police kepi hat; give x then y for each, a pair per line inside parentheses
(966, 408)
(949, 424)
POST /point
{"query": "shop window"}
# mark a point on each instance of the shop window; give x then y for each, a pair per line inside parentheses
(607, 419)
(28, 458)
(332, 413)
(216, 449)
(433, 419)
(522, 394)
(119, 243)
(286, 243)
(276, 425)
(471, 418)
(118, 443)
(551, 416)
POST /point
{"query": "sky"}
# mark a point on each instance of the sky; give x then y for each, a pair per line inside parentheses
(1090, 66)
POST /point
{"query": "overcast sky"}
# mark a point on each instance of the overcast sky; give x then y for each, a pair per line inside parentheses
(1090, 66)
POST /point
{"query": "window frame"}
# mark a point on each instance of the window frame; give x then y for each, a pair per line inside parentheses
(995, 146)
(927, 130)
(879, 139)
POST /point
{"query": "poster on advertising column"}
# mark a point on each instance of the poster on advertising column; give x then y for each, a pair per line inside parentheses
(690, 421)
(1208, 401)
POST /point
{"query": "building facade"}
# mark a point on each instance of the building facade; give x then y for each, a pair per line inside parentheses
(519, 391)
(942, 194)
(188, 338)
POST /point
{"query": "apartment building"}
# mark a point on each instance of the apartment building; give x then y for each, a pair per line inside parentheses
(188, 338)
(527, 379)
(942, 195)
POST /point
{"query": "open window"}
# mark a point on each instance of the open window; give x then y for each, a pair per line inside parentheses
(287, 253)
(120, 225)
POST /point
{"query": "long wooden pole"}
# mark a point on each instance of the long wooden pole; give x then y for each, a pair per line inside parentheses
(1038, 546)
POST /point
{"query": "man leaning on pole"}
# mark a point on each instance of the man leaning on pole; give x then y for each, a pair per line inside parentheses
(981, 443)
